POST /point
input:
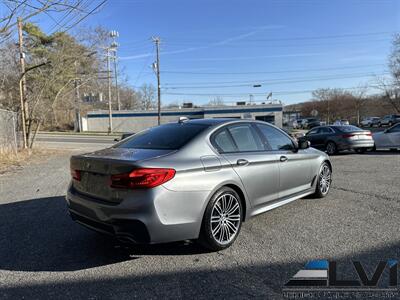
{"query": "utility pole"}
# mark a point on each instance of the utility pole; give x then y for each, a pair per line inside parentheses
(156, 40)
(77, 124)
(22, 85)
(114, 34)
(116, 81)
(110, 128)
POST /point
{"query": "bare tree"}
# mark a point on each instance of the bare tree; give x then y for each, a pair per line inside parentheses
(333, 104)
(390, 87)
(217, 101)
(390, 92)
(147, 96)
(27, 9)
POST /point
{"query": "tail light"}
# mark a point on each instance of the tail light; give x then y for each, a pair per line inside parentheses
(347, 136)
(142, 178)
(76, 175)
(368, 134)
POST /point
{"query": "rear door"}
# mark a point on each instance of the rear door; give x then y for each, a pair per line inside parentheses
(258, 169)
(394, 136)
(294, 167)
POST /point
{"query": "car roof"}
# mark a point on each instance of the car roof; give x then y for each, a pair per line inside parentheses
(215, 121)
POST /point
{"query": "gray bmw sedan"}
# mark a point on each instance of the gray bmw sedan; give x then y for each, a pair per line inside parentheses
(193, 180)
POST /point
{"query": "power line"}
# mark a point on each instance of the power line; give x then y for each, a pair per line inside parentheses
(142, 70)
(271, 72)
(279, 93)
(310, 37)
(303, 45)
(85, 16)
(276, 81)
(67, 17)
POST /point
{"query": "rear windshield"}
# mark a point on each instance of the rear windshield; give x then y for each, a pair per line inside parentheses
(348, 128)
(165, 137)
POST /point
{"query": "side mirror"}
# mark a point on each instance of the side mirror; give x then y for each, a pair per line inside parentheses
(304, 144)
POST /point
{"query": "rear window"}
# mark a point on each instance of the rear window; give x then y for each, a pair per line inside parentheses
(165, 137)
(348, 128)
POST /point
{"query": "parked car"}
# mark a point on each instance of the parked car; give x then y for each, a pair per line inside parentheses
(333, 139)
(389, 120)
(388, 139)
(369, 122)
(309, 123)
(341, 122)
(124, 136)
(193, 180)
(296, 124)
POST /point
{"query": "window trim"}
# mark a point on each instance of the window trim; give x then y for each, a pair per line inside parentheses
(253, 132)
(316, 131)
(281, 131)
(327, 127)
(214, 144)
(226, 127)
(390, 130)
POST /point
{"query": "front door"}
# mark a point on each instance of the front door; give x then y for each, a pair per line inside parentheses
(294, 167)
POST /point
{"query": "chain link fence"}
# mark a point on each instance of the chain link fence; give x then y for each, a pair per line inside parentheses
(8, 131)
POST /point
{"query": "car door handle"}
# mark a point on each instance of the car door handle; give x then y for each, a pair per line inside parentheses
(283, 158)
(242, 162)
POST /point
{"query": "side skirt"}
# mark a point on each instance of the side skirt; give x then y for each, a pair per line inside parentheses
(281, 202)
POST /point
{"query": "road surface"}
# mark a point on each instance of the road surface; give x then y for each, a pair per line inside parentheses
(74, 141)
(44, 255)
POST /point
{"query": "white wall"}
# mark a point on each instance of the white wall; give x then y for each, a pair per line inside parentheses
(133, 123)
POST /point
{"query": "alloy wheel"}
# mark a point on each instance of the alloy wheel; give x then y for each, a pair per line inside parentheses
(325, 179)
(225, 218)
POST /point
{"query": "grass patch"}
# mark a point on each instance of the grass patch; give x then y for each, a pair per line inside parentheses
(10, 160)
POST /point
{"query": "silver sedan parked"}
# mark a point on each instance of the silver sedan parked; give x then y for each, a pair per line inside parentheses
(193, 180)
(388, 139)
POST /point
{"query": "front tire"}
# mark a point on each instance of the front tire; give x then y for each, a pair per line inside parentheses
(222, 220)
(324, 181)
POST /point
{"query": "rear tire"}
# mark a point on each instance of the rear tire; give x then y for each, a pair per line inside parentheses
(324, 181)
(331, 148)
(222, 220)
(361, 150)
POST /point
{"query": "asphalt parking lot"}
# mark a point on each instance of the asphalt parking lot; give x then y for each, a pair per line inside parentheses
(43, 254)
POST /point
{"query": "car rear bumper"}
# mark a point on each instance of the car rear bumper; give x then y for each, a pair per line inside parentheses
(157, 215)
(357, 144)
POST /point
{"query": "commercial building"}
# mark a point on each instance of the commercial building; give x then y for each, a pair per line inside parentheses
(134, 121)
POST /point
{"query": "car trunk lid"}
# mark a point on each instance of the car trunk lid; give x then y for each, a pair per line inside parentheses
(358, 135)
(96, 168)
